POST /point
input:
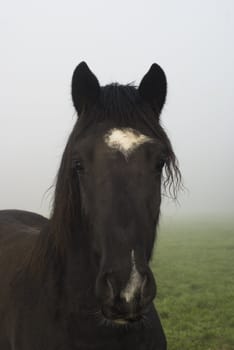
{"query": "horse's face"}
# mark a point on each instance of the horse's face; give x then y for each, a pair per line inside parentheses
(119, 171)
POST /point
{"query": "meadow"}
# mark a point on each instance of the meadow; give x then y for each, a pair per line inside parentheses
(194, 268)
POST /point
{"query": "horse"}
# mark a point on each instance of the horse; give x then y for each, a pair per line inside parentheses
(81, 280)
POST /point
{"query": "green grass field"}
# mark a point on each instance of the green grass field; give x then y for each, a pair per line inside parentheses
(194, 269)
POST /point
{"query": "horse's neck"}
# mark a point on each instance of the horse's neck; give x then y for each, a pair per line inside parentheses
(69, 278)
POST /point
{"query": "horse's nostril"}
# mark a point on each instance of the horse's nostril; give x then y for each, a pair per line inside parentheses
(143, 285)
(148, 289)
(111, 290)
(104, 290)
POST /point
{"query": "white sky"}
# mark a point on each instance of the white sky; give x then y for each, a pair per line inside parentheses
(42, 42)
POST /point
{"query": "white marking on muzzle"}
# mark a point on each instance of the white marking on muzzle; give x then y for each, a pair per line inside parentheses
(134, 283)
(125, 140)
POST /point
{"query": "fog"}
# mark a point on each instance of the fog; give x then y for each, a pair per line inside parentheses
(42, 42)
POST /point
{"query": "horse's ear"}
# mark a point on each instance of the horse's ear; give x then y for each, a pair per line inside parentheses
(153, 87)
(85, 87)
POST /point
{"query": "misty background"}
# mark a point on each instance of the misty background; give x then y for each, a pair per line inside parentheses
(41, 44)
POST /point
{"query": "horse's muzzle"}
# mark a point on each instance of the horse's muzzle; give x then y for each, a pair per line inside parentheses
(129, 303)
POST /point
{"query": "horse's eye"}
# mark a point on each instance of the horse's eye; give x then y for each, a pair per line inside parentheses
(78, 166)
(160, 164)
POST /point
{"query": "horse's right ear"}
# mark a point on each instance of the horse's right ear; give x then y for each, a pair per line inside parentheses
(85, 87)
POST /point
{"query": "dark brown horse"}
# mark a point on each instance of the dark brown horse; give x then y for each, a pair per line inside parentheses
(81, 280)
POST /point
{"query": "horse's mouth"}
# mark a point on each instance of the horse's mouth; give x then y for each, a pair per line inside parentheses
(120, 321)
(126, 321)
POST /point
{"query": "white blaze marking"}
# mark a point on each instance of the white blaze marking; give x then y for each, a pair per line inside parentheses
(125, 140)
(134, 282)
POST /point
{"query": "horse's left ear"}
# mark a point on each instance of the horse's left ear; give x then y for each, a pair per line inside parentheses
(85, 87)
(153, 87)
